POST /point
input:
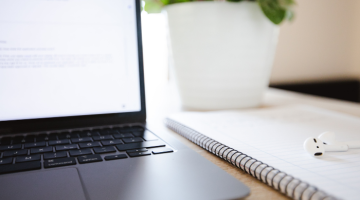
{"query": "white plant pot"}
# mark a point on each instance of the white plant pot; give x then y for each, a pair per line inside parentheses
(222, 53)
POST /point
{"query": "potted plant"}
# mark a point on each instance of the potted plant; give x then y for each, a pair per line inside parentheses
(222, 51)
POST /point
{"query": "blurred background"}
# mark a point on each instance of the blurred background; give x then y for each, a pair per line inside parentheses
(318, 53)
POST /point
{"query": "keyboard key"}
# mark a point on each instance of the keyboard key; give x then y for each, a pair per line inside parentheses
(133, 128)
(104, 150)
(102, 137)
(4, 161)
(52, 136)
(139, 145)
(19, 152)
(29, 138)
(89, 134)
(41, 150)
(83, 139)
(137, 128)
(132, 140)
(68, 135)
(10, 147)
(115, 157)
(89, 159)
(61, 137)
(123, 135)
(120, 129)
(80, 152)
(20, 167)
(59, 162)
(66, 147)
(28, 158)
(64, 135)
(95, 132)
(56, 142)
(137, 150)
(42, 137)
(35, 144)
(18, 139)
(24, 140)
(162, 150)
(145, 135)
(136, 154)
(89, 144)
(105, 132)
(73, 133)
(112, 132)
(111, 142)
(5, 140)
(60, 154)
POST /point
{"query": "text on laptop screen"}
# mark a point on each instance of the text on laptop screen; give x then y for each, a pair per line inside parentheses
(68, 58)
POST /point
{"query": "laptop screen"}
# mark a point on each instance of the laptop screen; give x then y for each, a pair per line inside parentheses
(68, 58)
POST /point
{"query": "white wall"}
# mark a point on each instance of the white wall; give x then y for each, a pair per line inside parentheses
(355, 60)
(323, 42)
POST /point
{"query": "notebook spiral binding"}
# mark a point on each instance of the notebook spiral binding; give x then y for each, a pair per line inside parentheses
(286, 184)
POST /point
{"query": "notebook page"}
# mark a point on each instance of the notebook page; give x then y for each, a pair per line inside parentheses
(275, 136)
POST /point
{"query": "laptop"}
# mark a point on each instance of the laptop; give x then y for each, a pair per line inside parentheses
(72, 110)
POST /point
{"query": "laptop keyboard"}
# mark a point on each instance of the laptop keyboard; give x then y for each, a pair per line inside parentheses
(37, 151)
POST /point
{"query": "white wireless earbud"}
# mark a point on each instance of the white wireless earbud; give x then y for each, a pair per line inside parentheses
(329, 138)
(316, 147)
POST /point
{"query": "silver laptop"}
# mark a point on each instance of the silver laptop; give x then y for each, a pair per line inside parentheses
(72, 110)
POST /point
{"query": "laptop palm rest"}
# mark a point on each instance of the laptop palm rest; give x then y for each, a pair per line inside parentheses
(51, 184)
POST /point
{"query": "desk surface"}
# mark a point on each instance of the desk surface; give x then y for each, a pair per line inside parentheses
(162, 101)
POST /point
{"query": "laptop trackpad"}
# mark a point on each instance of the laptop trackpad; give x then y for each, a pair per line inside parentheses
(51, 184)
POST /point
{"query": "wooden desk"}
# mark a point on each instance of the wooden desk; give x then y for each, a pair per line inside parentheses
(163, 100)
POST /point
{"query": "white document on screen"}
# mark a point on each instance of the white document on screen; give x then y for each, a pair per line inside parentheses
(68, 58)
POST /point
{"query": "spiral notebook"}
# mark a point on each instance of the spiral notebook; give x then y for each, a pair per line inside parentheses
(268, 144)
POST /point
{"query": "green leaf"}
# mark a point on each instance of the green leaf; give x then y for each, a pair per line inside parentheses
(165, 2)
(234, 0)
(273, 10)
(286, 3)
(153, 6)
(178, 1)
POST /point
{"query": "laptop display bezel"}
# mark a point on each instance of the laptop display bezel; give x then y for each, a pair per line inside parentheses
(45, 124)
